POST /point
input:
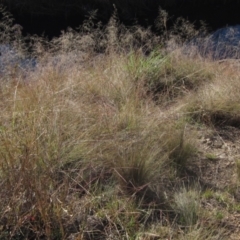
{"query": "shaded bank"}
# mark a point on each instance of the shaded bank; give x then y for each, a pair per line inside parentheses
(50, 17)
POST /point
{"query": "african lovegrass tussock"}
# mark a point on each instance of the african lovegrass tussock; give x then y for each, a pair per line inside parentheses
(88, 146)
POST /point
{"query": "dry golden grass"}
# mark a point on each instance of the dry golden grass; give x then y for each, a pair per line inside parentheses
(92, 119)
(217, 102)
(91, 144)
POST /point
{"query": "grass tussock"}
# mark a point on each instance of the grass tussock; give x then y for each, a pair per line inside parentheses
(63, 133)
(96, 133)
(217, 103)
(167, 78)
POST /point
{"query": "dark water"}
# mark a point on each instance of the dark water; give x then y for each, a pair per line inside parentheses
(10, 58)
(222, 44)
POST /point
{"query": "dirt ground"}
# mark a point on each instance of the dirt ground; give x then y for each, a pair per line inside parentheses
(215, 167)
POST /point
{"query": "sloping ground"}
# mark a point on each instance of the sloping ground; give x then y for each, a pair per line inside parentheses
(137, 142)
(216, 169)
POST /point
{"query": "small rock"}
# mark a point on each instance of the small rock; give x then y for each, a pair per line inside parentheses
(222, 156)
(229, 164)
(218, 144)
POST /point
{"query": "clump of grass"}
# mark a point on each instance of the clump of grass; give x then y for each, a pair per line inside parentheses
(200, 233)
(217, 103)
(65, 132)
(211, 156)
(187, 205)
(208, 194)
(33, 144)
(167, 78)
(84, 147)
(181, 149)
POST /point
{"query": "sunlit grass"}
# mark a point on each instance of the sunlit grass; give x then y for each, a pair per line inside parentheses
(91, 144)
